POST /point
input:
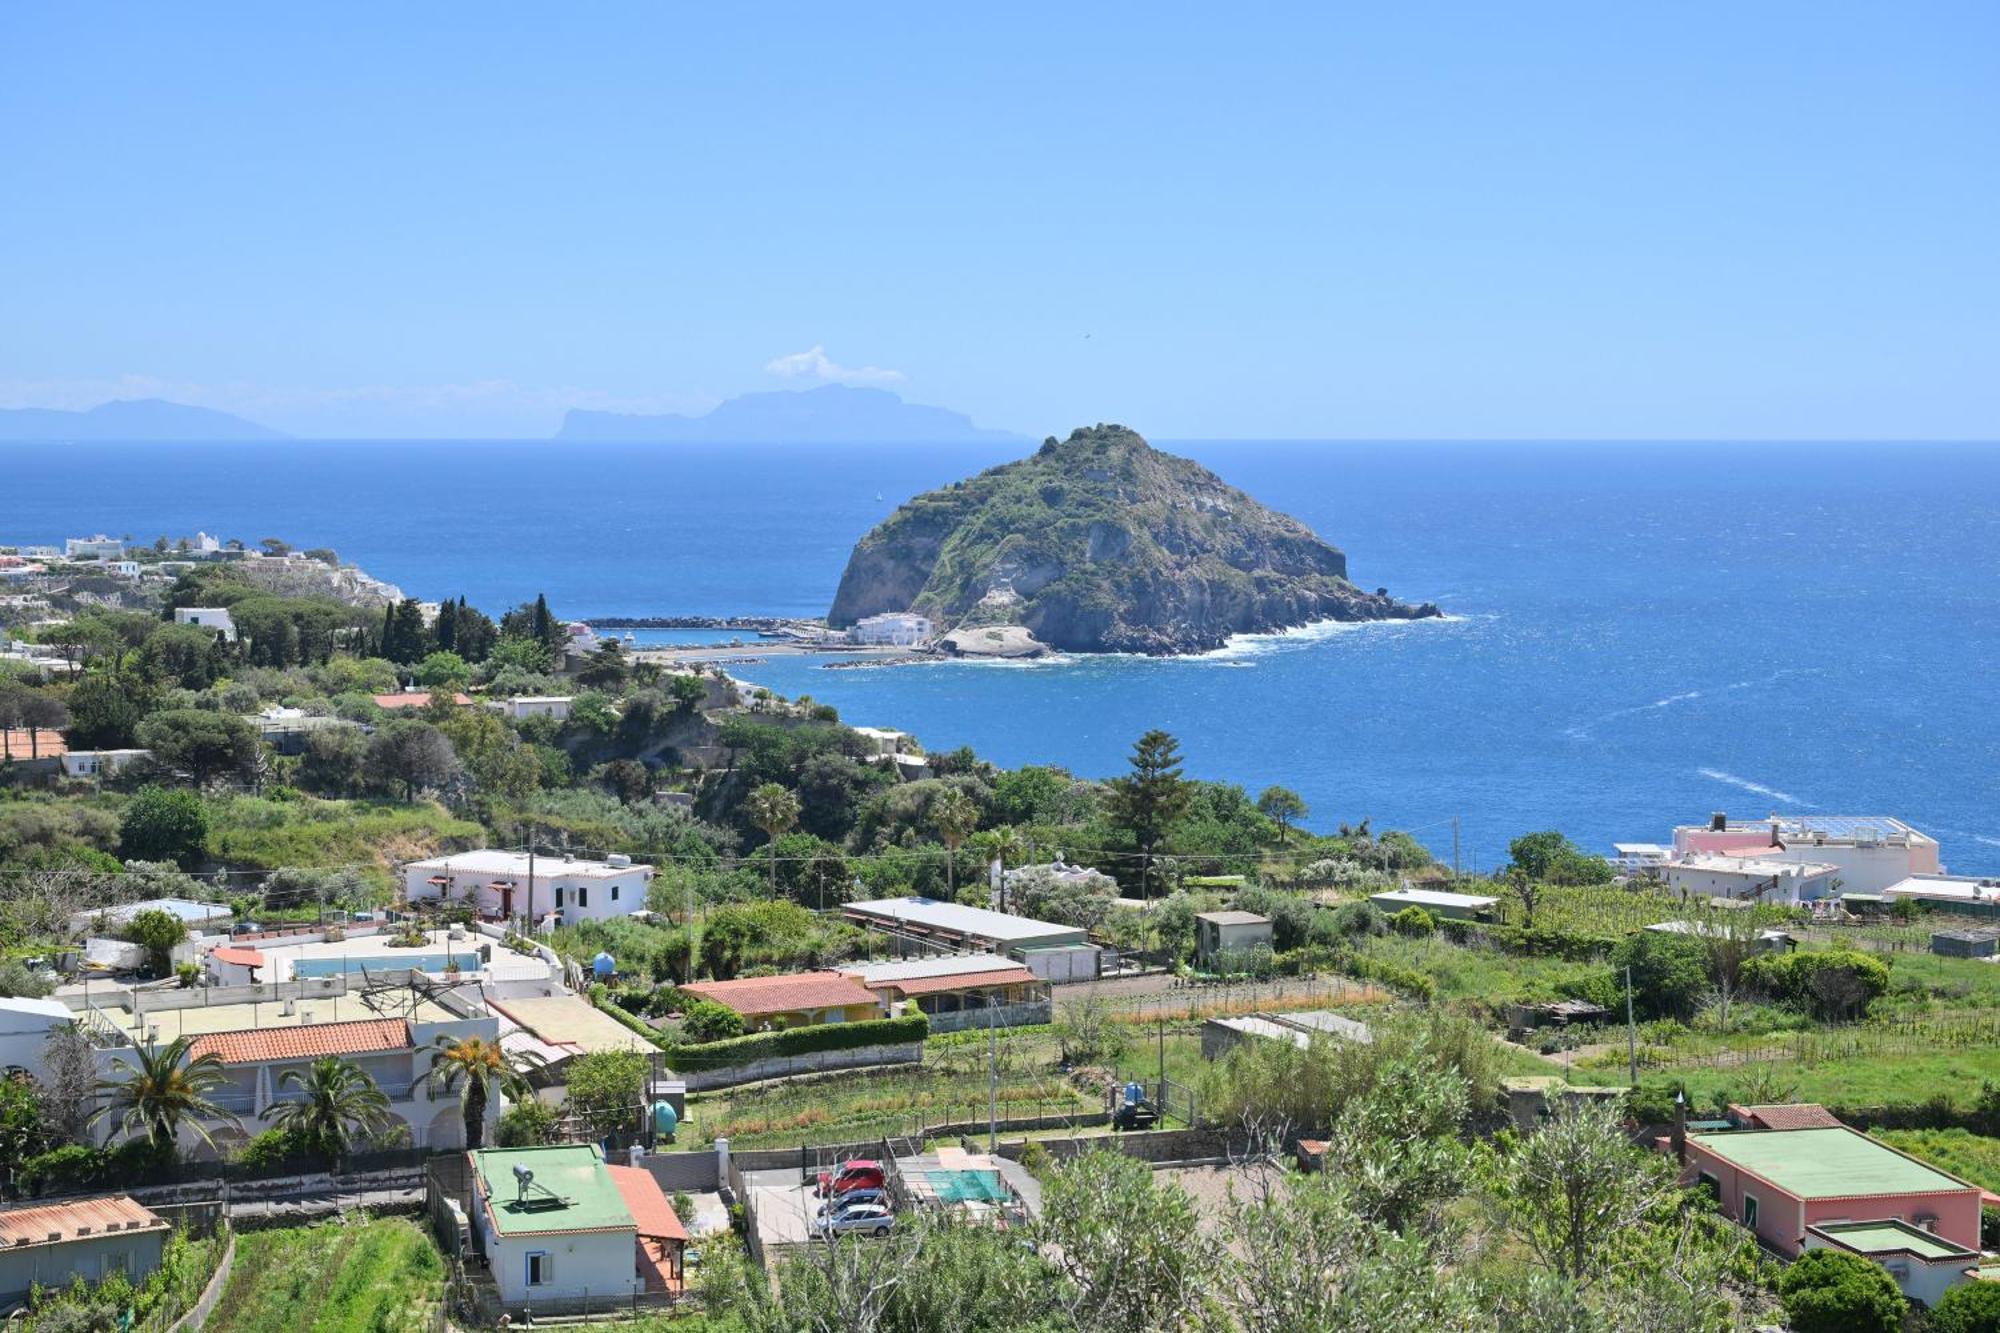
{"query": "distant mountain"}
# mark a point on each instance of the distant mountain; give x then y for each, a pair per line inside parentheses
(130, 419)
(833, 414)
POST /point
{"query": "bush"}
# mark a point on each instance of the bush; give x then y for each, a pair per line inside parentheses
(1831, 1291)
(527, 1124)
(164, 825)
(76, 1166)
(1393, 975)
(801, 1041)
(1971, 1307)
(1414, 922)
(276, 1152)
(705, 1020)
(1669, 972)
(1835, 984)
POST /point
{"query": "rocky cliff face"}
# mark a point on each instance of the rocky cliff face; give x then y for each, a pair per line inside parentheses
(1101, 543)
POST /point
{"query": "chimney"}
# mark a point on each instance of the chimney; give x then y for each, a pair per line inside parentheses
(1680, 1135)
(1718, 822)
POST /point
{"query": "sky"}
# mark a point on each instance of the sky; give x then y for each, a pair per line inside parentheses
(1543, 221)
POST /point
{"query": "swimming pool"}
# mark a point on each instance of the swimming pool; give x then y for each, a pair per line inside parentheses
(422, 962)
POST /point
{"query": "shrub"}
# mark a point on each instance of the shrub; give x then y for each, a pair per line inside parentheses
(1831, 1291)
(705, 1020)
(1836, 984)
(527, 1124)
(164, 825)
(1669, 972)
(801, 1041)
(1971, 1307)
(1413, 921)
(277, 1151)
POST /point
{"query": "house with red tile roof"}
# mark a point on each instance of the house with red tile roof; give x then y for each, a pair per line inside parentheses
(275, 1029)
(958, 990)
(796, 999)
(51, 1244)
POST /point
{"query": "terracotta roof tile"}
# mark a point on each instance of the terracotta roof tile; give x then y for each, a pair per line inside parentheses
(231, 953)
(1804, 1115)
(651, 1210)
(50, 1223)
(305, 1042)
(776, 995)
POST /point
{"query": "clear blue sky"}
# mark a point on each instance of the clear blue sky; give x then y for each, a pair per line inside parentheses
(1477, 220)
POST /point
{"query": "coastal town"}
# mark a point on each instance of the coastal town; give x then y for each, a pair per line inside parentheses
(619, 987)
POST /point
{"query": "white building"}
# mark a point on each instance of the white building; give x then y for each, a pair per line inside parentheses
(100, 763)
(124, 569)
(533, 705)
(1947, 891)
(99, 547)
(1869, 852)
(203, 544)
(1750, 878)
(883, 742)
(905, 629)
(1635, 858)
(208, 617)
(1459, 906)
(549, 889)
(25, 1026)
(558, 1227)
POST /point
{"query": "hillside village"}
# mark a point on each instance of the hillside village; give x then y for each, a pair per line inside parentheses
(483, 964)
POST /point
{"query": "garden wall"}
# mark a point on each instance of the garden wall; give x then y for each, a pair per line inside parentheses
(813, 1062)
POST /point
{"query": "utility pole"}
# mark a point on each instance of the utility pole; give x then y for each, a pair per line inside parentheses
(1631, 1034)
(531, 881)
(1161, 1027)
(1454, 847)
(992, 1082)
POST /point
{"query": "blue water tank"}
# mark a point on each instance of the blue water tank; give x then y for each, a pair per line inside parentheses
(604, 966)
(665, 1121)
(1134, 1094)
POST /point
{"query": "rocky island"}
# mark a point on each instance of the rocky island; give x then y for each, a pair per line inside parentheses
(1101, 543)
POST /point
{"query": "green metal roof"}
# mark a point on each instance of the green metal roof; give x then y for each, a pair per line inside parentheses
(571, 1191)
(1825, 1163)
(1889, 1236)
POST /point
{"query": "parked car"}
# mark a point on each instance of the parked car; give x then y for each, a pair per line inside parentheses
(869, 1219)
(851, 1197)
(853, 1175)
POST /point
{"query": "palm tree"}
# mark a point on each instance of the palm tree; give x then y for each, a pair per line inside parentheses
(1005, 845)
(476, 1064)
(164, 1091)
(956, 818)
(775, 810)
(337, 1103)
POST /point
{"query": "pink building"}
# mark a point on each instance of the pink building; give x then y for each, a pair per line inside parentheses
(1779, 1182)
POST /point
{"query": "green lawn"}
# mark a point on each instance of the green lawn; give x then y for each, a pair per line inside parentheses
(383, 1276)
(1486, 977)
(1970, 1156)
(1874, 1080)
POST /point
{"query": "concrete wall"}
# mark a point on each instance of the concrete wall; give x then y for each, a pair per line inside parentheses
(784, 1066)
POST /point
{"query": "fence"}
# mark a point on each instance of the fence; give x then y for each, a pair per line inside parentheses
(1968, 1030)
(1194, 1001)
(186, 1183)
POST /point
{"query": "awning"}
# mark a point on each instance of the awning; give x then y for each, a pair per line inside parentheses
(439, 880)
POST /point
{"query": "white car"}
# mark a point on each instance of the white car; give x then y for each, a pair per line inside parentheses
(870, 1219)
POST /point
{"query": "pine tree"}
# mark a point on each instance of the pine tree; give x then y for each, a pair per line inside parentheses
(1150, 798)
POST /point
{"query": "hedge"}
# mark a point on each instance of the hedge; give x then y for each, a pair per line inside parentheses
(1569, 945)
(799, 1041)
(602, 999)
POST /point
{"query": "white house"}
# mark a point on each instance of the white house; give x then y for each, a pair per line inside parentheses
(1223, 935)
(208, 617)
(558, 888)
(99, 547)
(557, 1227)
(533, 705)
(100, 763)
(1867, 852)
(25, 1026)
(1924, 1264)
(1750, 878)
(898, 628)
(124, 569)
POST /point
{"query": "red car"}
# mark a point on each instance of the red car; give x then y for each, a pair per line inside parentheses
(859, 1174)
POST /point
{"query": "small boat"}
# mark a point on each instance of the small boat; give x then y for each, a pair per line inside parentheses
(878, 496)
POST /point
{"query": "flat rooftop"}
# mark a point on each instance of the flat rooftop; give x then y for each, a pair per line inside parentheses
(1890, 1237)
(568, 1020)
(919, 969)
(1749, 863)
(1835, 828)
(571, 1191)
(374, 953)
(511, 865)
(205, 1019)
(1434, 898)
(977, 922)
(1826, 1163)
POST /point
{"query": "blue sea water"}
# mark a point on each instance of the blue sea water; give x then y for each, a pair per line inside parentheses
(1639, 633)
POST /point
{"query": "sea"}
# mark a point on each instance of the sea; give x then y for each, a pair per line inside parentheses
(1638, 634)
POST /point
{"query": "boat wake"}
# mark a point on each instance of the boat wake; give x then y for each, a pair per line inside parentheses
(1759, 788)
(1581, 731)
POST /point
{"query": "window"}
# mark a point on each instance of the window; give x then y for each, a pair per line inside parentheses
(614, 893)
(559, 897)
(583, 895)
(119, 1262)
(541, 1268)
(1750, 1211)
